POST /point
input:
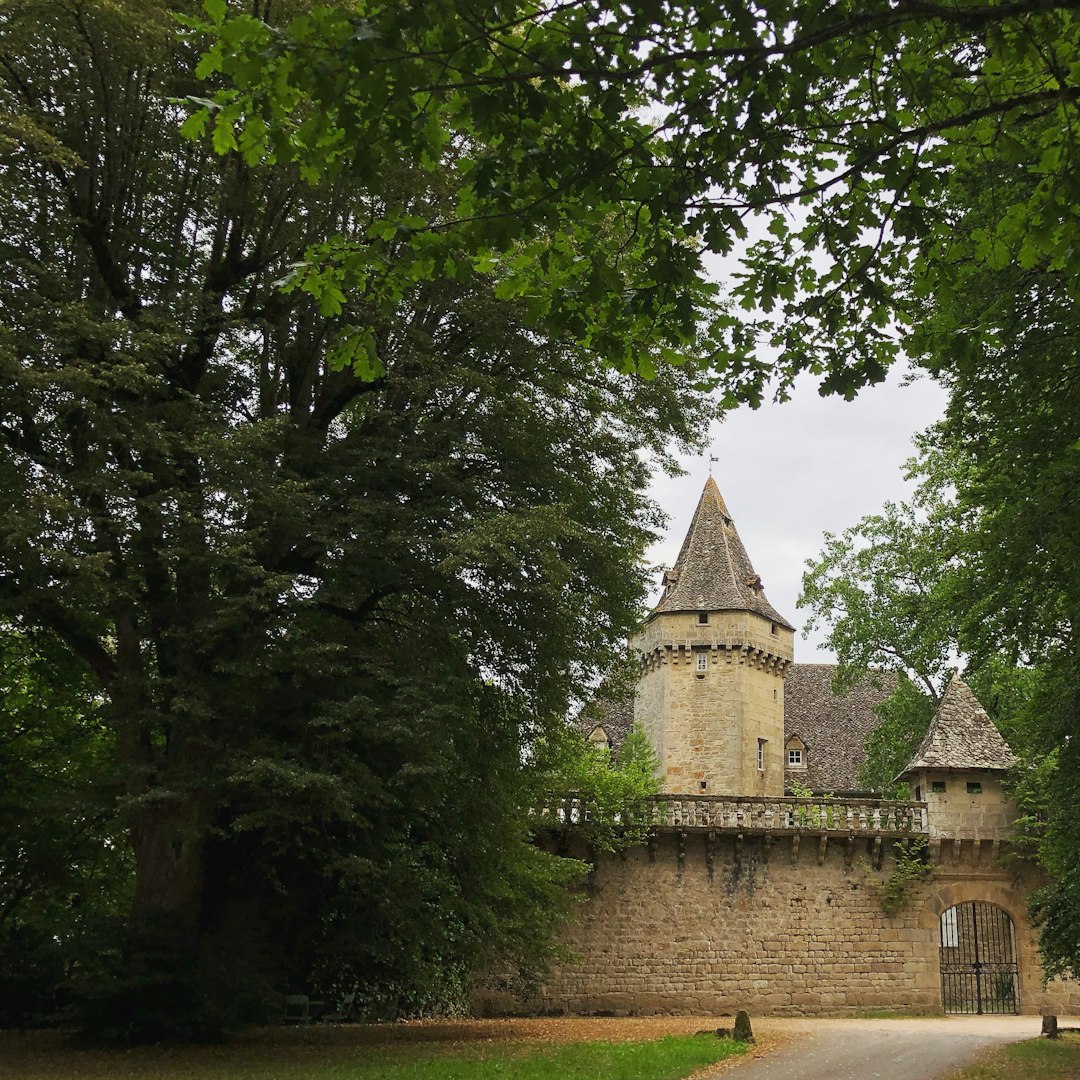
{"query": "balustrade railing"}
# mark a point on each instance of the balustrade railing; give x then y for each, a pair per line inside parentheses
(787, 814)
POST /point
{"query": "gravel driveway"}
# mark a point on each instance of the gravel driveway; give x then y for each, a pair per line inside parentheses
(877, 1049)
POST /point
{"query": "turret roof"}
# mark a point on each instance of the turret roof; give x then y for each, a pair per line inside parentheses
(713, 571)
(961, 736)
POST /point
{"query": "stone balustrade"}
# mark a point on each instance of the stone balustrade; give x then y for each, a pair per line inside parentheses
(751, 815)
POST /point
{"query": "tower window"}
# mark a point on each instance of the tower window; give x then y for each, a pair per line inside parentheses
(937, 787)
(974, 788)
(702, 661)
(761, 754)
(702, 617)
(773, 629)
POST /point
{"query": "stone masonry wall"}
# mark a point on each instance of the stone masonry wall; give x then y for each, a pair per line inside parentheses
(697, 927)
(984, 814)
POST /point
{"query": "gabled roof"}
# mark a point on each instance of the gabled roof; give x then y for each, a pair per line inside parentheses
(713, 571)
(834, 727)
(612, 708)
(961, 736)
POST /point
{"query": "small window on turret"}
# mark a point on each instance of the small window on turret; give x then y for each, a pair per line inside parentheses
(775, 629)
(937, 787)
(974, 788)
(702, 661)
(702, 617)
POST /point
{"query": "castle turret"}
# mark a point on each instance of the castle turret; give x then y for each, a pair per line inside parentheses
(714, 653)
(958, 769)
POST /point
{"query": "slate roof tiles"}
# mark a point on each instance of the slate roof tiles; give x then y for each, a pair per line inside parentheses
(713, 571)
(961, 736)
(833, 726)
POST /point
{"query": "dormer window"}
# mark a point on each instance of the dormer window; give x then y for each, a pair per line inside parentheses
(599, 737)
(795, 753)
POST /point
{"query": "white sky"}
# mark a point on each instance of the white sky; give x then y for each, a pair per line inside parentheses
(791, 472)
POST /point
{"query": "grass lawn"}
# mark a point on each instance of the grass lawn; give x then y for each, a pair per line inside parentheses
(1036, 1059)
(344, 1053)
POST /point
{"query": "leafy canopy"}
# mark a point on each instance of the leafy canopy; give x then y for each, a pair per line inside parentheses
(841, 126)
(324, 619)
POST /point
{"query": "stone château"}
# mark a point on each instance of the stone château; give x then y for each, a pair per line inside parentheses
(747, 897)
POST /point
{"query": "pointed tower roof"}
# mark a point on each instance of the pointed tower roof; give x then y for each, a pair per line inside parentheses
(961, 736)
(713, 571)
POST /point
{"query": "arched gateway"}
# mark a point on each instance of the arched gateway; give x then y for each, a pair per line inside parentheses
(978, 959)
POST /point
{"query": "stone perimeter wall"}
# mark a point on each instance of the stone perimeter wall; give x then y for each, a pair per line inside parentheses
(728, 925)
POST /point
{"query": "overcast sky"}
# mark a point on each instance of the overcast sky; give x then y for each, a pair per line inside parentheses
(789, 473)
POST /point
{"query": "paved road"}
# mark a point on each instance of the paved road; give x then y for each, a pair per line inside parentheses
(879, 1049)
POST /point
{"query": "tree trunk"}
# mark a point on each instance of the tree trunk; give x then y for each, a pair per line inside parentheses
(169, 839)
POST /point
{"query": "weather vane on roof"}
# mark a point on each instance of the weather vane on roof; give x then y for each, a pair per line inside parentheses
(713, 459)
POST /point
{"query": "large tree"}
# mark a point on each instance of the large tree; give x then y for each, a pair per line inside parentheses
(843, 124)
(325, 616)
(997, 554)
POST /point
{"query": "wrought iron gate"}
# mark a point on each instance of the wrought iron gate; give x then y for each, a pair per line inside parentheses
(978, 960)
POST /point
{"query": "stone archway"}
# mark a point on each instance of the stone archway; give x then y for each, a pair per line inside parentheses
(977, 955)
(1020, 955)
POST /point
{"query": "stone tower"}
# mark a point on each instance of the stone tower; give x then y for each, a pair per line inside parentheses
(714, 652)
(958, 770)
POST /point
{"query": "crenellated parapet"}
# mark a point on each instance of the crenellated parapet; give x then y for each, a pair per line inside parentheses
(728, 637)
(718, 653)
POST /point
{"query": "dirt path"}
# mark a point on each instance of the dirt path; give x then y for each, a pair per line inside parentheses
(876, 1049)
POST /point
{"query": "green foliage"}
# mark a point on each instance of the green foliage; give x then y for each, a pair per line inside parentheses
(669, 1058)
(817, 815)
(63, 864)
(886, 590)
(1034, 1059)
(432, 1054)
(911, 868)
(675, 125)
(612, 788)
(905, 718)
(325, 619)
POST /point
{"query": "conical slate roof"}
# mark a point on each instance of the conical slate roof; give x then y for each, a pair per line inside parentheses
(961, 736)
(713, 571)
